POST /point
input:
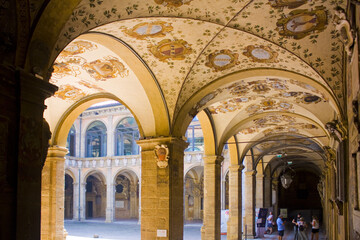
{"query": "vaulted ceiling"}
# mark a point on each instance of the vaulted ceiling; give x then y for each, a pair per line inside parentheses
(257, 68)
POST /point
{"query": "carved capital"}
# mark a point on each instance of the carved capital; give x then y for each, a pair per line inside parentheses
(337, 130)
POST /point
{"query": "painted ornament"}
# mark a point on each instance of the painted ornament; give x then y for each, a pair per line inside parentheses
(287, 3)
(172, 3)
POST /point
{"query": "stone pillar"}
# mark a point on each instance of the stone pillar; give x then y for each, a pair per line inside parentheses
(259, 191)
(249, 203)
(133, 200)
(76, 201)
(274, 196)
(82, 200)
(24, 138)
(139, 205)
(110, 194)
(267, 192)
(212, 192)
(162, 189)
(52, 194)
(234, 230)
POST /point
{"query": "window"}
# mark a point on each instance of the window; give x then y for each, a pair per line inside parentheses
(96, 140)
(194, 137)
(126, 134)
(70, 143)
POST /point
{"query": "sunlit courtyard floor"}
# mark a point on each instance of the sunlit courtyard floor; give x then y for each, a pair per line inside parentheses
(124, 230)
(130, 230)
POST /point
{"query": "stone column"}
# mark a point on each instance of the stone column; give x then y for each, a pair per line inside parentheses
(212, 192)
(186, 206)
(133, 200)
(234, 230)
(82, 200)
(76, 201)
(52, 194)
(259, 191)
(274, 196)
(110, 137)
(110, 191)
(162, 205)
(249, 203)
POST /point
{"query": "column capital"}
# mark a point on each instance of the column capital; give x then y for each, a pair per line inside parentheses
(236, 167)
(212, 159)
(250, 173)
(57, 151)
(149, 144)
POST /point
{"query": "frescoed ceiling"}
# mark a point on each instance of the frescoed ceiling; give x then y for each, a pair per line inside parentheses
(190, 47)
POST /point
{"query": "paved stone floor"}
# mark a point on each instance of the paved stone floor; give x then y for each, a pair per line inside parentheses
(126, 230)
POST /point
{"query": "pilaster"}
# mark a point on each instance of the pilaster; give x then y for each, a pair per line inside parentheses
(212, 191)
(52, 194)
(110, 191)
(162, 188)
(235, 202)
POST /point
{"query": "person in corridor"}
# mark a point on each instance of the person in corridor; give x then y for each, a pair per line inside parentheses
(281, 227)
(315, 228)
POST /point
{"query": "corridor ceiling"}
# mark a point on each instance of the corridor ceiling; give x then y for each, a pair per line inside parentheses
(257, 68)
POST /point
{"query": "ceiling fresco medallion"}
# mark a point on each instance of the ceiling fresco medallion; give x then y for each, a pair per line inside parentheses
(287, 3)
(262, 54)
(77, 48)
(302, 22)
(221, 60)
(170, 49)
(149, 29)
(61, 69)
(68, 92)
(102, 70)
(172, 3)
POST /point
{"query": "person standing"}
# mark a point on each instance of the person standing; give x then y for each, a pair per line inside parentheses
(294, 221)
(315, 228)
(269, 222)
(301, 224)
(281, 227)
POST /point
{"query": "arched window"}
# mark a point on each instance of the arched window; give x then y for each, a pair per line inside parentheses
(194, 136)
(96, 140)
(70, 143)
(126, 134)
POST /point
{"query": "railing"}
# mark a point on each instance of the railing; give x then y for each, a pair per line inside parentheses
(122, 161)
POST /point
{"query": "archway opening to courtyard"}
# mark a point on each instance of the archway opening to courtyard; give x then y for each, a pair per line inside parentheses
(95, 200)
(126, 205)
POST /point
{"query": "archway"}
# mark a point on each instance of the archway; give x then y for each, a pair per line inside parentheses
(194, 194)
(126, 195)
(95, 197)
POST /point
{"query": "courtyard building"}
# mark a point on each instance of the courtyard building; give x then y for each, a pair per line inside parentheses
(172, 111)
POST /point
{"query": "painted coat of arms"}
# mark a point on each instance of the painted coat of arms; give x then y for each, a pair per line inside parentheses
(302, 22)
(221, 60)
(101, 70)
(170, 49)
(162, 155)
